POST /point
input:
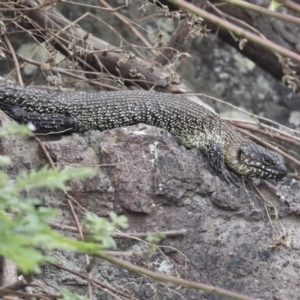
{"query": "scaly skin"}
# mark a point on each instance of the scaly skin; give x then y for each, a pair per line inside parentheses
(191, 124)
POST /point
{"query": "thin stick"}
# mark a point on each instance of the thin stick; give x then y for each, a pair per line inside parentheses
(264, 11)
(265, 143)
(175, 280)
(236, 30)
(13, 54)
(127, 23)
(101, 284)
(264, 132)
(74, 215)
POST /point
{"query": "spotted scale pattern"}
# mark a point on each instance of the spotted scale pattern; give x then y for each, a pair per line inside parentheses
(191, 124)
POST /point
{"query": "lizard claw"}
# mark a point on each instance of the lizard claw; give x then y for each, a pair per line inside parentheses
(230, 178)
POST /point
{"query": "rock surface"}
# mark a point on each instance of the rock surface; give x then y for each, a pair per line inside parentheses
(159, 185)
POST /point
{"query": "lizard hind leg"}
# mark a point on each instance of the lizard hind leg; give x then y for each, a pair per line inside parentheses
(15, 112)
(42, 122)
(48, 123)
(216, 159)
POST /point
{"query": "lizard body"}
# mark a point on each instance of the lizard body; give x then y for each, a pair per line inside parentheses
(190, 123)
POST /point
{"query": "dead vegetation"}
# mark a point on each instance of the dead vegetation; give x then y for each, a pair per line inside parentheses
(148, 64)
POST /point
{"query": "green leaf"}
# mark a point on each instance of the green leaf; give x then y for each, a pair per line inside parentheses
(66, 295)
(15, 128)
(100, 229)
(120, 221)
(24, 231)
(15, 247)
(274, 5)
(51, 178)
(4, 161)
(156, 237)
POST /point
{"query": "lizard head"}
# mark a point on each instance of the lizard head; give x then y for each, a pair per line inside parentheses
(256, 161)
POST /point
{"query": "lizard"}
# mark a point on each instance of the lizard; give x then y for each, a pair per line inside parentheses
(192, 124)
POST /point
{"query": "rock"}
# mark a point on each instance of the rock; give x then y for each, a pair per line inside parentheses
(159, 185)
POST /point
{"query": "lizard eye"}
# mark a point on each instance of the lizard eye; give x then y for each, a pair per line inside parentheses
(267, 161)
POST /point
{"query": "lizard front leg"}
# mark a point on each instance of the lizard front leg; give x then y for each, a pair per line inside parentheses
(217, 161)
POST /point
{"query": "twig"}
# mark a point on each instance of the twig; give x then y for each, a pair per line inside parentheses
(142, 235)
(124, 235)
(265, 132)
(29, 9)
(236, 30)
(290, 5)
(265, 143)
(264, 11)
(18, 285)
(68, 73)
(102, 165)
(13, 54)
(175, 41)
(268, 127)
(26, 295)
(71, 74)
(74, 215)
(101, 284)
(60, 30)
(127, 23)
(175, 280)
(277, 238)
(246, 112)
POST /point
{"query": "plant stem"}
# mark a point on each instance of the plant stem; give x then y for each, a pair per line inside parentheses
(175, 280)
(264, 11)
(236, 30)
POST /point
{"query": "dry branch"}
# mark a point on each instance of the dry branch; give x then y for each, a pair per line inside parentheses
(278, 31)
(94, 54)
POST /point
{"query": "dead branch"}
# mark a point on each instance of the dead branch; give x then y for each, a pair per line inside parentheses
(93, 53)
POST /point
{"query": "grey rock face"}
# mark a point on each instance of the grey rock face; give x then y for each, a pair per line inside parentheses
(160, 186)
